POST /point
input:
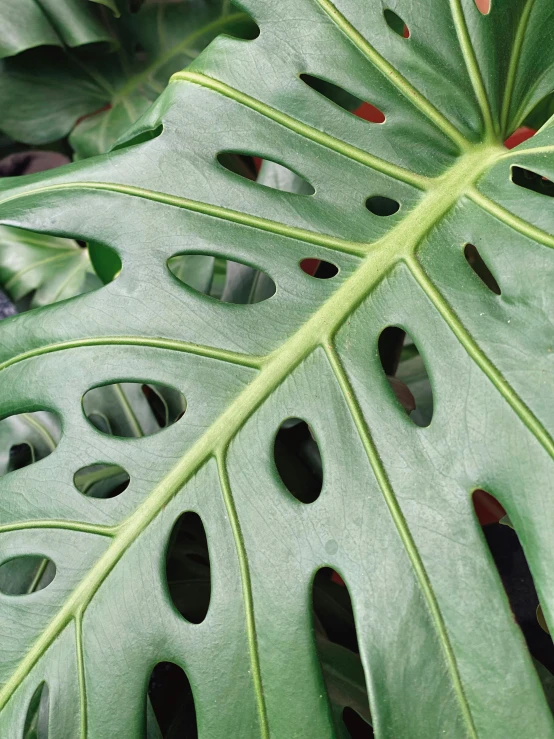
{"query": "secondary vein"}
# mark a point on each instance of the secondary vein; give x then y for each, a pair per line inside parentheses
(403, 531)
(394, 76)
(479, 357)
(324, 139)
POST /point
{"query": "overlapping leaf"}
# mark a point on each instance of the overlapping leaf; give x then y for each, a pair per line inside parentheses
(441, 653)
(96, 94)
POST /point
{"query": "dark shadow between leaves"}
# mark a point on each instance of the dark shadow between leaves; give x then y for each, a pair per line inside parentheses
(477, 264)
(188, 569)
(529, 180)
(510, 561)
(170, 709)
(337, 647)
(340, 96)
(298, 460)
(319, 268)
(396, 24)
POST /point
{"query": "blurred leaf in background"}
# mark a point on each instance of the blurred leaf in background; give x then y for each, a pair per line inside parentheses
(91, 74)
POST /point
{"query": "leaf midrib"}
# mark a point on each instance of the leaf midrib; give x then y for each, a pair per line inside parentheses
(318, 331)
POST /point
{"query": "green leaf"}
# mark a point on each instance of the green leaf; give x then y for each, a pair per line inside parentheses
(47, 267)
(96, 96)
(25, 24)
(441, 653)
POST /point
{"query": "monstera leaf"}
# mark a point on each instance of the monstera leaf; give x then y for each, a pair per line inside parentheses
(48, 93)
(394, 207)
(29, 23)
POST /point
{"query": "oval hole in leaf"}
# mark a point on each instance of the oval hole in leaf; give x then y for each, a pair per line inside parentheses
(475, 261)
(395, 23)
(341, 97)
(382, 206)
(101, 480)
(170, 703)
(319, 269)
(232, 161)
(483, 6)
(407, 374)
(26, 574)
(133, 409)
(26, 438)
(36, 720)
(511, 563)
(188, 568)
(336, 642)
(148, 134)
(529, 180)
(223, 279)
(39, 269)
(298, 460)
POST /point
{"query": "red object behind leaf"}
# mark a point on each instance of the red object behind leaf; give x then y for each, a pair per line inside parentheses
(370, 113)
(487, 508)
(519, 136)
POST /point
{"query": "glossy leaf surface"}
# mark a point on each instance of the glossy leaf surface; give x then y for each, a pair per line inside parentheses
(440, 651)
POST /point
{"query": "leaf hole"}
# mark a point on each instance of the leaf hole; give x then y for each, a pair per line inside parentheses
(475, 261)
(148, 134)
(396, 24)
(26, 438)
(510, 561)
(188, 568)
(337, 647)
(170, 705)
(26, 574)
(533, 181)
(101, 480)
(355, 725)
(319, 269)
(483, 6)
(298, 460)
(36, 719)
(381, 205)
(407, 374)
(228, 160)
(224, 279)
(133, 409)
(341, 97)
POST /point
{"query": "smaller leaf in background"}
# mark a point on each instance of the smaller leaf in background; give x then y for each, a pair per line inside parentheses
(101, 480)
(44, 268)
(105, 261)
(96, 93)
(36, 721)
(26, 24)
(40, 432)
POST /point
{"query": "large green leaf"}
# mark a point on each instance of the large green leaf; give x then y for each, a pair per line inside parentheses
(441, 653)
(26, 24)
(96, 96)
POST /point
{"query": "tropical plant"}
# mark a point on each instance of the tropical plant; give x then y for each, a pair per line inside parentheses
(267, 468)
